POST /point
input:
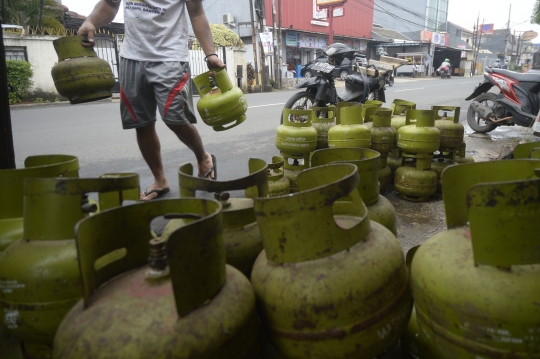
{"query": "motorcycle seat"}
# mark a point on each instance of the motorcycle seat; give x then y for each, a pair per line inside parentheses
(355, 79)
(526, 77)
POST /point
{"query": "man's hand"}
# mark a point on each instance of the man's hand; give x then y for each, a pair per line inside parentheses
(89, 30)
(214, 63)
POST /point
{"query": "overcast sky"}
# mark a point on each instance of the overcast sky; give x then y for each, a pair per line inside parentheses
(461, 12)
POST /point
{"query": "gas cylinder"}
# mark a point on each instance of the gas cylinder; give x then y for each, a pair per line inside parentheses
(240, 230)
(330, 283)
(369, 104)
(524, 150)
(350, 131)
(417, 141)
(462, 156)
(278, 184)
(383, 139)
(451, 130)
(39, 275)
(11, 187)
(394, 160)
(79, 74)
(296, 140)
(323, 120)
(438, 165)
(489, 262)
(399, 108)
(222, 105)
(379, 208)
(186, 303)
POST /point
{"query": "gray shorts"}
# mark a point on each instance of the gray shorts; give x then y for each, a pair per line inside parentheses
(147, 85)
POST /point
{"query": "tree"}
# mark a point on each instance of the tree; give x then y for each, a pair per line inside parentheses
(535, 17)
(222, 36)
(27, 13)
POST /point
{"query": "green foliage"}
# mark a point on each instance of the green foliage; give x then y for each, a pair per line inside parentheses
(40, 100)
(19, 77)
(250, 76)
(535, 17)
(26, 13)
(222, 36)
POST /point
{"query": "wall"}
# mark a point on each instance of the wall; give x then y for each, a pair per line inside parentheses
(405, 16)
(41, 55)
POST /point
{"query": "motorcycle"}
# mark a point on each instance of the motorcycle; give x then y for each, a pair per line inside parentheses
(390, 79)
(445, 73)
(517, 103)
(367, 83)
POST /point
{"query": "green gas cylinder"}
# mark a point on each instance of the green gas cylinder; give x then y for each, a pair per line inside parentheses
(39, 275)
(163, 299)
(524, 150)
(366, 161)
(278, 184)
(241, 233)
(330, 283)
(383, 140)
(416, 182)
(419, 135)
(11, 187)
(462, 156)
(452, 132)
(400, 108)
(222, 105)
(367, 105)
(438, 165)
(350, 131)
(475, 285)
(80, 75)
(296, 137)
(324, 119)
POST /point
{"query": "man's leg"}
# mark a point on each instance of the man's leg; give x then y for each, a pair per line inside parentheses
(189, 135)
(150, 147)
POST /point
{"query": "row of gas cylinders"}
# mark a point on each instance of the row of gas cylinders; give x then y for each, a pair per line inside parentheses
(405, 137)
(325, 281)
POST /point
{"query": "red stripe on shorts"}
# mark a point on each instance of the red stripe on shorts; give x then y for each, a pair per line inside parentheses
(128, 105)
(179, 86)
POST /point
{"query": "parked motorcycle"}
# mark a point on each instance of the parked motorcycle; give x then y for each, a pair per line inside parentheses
(390, 79)
(517, 103)
(320, 91)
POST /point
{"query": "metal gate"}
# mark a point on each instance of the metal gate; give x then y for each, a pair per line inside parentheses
(107, 48)
(198, 65)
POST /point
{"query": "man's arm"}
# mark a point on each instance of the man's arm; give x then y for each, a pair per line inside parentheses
(103, 14)
(203, 33)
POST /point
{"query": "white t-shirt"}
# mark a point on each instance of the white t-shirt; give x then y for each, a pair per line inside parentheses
(155, 30)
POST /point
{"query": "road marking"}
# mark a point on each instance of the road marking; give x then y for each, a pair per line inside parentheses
(419, 88)
(272, 104)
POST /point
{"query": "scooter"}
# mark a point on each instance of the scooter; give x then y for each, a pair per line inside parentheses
(445, 73)
(517, 103)
(390, 79)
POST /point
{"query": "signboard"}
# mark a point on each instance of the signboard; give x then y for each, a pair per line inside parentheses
(338, 11)
(323, 67)
(330, 2)
(291, 39)
(425, 36)
(267, 43)
(319, 13)
(440, 39)
(487, 29)
(319, 23)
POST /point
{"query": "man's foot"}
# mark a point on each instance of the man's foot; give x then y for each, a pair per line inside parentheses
(208, 167)
(155, 191)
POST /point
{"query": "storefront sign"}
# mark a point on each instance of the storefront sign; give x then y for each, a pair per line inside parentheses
(425, 36)
(319, 13)
(319, 23)
(440, 39)
(330, 2)
(338, 11)
(291, 39)
(311, 42)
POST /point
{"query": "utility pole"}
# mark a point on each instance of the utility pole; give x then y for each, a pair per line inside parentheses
(274, 42)
(264, 73)
(7, 153)
(280, 46)
(254, 40)
(507, 31)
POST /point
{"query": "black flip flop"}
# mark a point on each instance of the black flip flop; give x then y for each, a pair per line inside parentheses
(158, 192)
(213, 168)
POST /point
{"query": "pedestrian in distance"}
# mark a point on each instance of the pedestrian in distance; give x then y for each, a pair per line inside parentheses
(154, 73)
(414, 69)
(505, 65)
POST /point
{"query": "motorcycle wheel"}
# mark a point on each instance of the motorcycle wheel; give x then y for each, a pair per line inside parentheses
(391, 82)
(474, 121)
(299, 101)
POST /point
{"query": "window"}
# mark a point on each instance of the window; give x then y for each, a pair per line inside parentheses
(16, 53)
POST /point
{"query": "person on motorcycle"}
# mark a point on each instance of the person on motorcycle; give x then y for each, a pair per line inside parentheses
(445, 66)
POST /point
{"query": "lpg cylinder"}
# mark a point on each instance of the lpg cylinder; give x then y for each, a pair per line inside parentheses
(222, 105)
(475, 285)
(79, 74)
(400, 108)
(241, 233)
(350, 131)
(11, 187)
(330, 283)
(383, 140)
(369, 104)
(462, 156)
(323, 120)
(416, 182)
(524, 150)
(278, 184)
(39, 275)
(186, 303)
(438, 165)
(419, 135)
(452, 131)
(366, 161)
